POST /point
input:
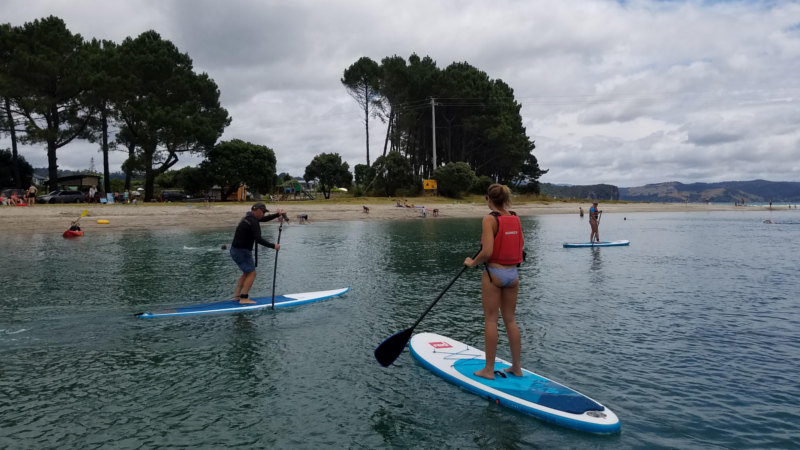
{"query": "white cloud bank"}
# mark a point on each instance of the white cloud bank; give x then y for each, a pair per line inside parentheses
(625, 93)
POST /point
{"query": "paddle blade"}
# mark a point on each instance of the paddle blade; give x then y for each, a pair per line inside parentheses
(392, 347)
(85, 212)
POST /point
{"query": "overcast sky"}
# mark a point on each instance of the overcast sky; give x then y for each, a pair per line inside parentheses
(618, 92)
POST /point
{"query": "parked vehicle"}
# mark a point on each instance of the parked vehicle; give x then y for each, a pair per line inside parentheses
(174, 196)
(62, 196)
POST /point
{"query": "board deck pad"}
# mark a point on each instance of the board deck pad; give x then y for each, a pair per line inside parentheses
(228, 306)
(531, 393)
(618, 243)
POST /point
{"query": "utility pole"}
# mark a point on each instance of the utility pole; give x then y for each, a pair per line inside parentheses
(433, 132)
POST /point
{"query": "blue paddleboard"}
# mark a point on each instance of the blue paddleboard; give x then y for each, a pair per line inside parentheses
(229, 306)
(531, 393)
(597, 244)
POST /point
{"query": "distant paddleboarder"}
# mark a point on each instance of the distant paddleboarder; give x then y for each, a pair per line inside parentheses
(594, 222)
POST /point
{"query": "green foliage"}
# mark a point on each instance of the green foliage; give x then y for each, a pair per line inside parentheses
(478, 120)
(7, 170)
(527, 180)
(193, 180)
(117, 185)
(481, 185)
(364, 175)
(454, 179)
(46, 74)
(392, 172)
(166, 107)
(167, 179)
(233, 162)
(104, 82)
(331, 172)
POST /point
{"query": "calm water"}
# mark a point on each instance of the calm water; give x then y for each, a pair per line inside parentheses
(691, 335)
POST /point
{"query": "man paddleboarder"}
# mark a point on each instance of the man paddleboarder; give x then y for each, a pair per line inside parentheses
(248, 233)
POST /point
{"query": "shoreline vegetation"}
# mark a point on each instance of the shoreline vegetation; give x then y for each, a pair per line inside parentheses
(225, 215)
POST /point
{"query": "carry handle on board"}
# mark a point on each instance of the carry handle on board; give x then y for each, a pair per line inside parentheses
(393, 346)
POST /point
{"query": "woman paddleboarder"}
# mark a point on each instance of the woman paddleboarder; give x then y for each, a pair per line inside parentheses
(501, 250)
(594, 223)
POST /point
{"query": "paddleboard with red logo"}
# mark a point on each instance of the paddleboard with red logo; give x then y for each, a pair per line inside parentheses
(531, 393)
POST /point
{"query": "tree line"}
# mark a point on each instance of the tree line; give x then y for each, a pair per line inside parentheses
(458, 114)
(143, 96)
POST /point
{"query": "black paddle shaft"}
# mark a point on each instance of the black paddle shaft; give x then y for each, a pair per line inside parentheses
(393, 346)
(275, 268)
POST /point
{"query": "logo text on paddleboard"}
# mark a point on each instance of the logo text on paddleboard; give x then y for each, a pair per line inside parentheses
(440, 345)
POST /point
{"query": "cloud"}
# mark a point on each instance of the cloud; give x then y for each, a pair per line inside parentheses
(624, 93)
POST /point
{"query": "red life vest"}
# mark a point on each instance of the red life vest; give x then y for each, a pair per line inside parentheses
(508, 240)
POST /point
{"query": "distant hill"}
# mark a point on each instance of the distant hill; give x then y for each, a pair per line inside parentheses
(722, 192)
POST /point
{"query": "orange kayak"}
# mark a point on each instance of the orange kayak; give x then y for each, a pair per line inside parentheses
(70, 233)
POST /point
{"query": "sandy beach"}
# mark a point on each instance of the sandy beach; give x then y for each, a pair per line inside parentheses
(56, 218)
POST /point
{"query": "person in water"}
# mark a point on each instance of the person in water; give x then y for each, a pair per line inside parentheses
(501, 250)
(594, 222)
(248, 233)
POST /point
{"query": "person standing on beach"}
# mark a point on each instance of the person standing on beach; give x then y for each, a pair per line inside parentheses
(248, 233)
(594, 222)
(32, 195)
(501, 250)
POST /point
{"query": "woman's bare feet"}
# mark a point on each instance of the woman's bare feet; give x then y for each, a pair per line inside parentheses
(513, 371)
(244, 299)
(485, 373)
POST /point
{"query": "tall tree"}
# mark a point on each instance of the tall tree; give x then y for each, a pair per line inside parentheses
(48, 63)
(230, 163)
(477, 119)
(329, 169)
(104, 84)
(8, 90)
(166, 108)
(362, 80)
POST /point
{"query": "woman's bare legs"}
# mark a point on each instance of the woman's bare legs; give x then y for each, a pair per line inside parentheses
(508, 308)
(496, 300)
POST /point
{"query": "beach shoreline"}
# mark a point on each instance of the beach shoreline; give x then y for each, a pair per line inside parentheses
(225, 215)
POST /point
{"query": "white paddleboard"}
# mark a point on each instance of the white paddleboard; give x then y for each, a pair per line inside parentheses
(618, 243)
(531, 393)
(229, 306)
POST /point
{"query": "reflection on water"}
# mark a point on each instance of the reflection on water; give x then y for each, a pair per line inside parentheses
(694, 299)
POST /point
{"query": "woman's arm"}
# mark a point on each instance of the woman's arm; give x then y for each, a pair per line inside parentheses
(488, 230)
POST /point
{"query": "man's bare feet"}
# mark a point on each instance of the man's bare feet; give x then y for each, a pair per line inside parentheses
(512, 371)
(485, 373)
(244, 299)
